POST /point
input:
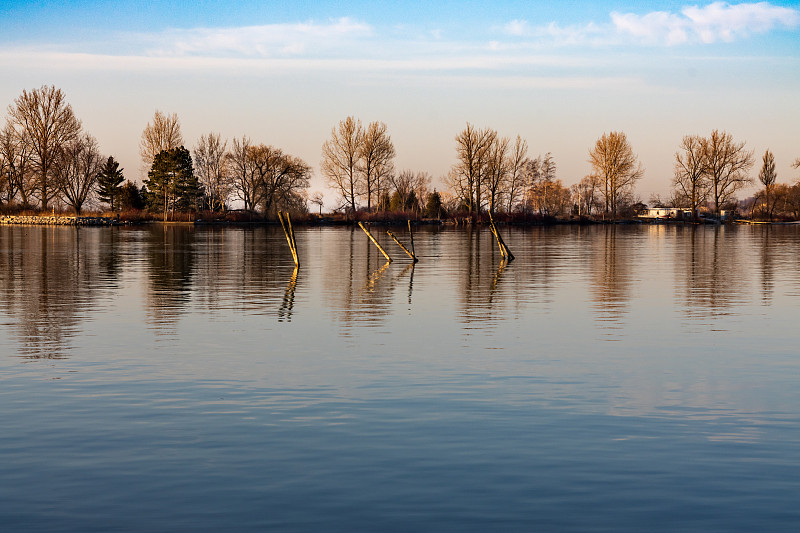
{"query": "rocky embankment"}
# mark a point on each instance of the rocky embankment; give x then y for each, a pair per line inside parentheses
(57, 220)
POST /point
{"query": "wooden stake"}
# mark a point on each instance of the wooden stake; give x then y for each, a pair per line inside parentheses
(294, 242)
(411, 236)
(288, 233)
(410, 254)
(500, 242)
(375, 242)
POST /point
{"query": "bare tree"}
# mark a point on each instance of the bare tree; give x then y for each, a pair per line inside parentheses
(210, 167)
(585, 194)
(341, 156)
(318, 199)
(726, 166)
(516, 173)
(163, 134)
(43, 122)
(690, 180)
(407, 188)
(767, 176)
(468, 174)
(279, 177)
(497, 171)
(18, 177)
(242, 173)
(614, 162)
(376, 154)
(77, 166)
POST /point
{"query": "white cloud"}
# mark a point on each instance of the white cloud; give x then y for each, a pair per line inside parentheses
(718, 21)
(272, 40)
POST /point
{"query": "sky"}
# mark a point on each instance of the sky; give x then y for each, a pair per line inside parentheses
(560, 74)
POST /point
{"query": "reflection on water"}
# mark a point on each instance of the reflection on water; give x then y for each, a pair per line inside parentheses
(49, 281)
(180, 378)
(53, 278)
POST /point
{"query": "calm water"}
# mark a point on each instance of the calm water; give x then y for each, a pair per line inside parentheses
(609, 379)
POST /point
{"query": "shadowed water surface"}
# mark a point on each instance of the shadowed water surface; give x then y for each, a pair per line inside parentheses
(610, 379)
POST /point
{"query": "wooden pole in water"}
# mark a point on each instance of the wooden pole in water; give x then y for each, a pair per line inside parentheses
(294, 242)
(500, 242)
(287, 232)
(411, 236)
(410, 254)
(375, 242)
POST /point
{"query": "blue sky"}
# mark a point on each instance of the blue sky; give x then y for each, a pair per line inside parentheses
(559, 74)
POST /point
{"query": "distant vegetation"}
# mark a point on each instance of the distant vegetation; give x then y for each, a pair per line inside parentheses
(47, 161)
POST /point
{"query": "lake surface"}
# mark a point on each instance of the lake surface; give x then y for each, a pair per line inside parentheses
(174, 378)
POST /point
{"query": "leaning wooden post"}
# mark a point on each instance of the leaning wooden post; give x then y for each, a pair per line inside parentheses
(410, 254)
(294, 242)
(411, 236)
(375, 242)
(500, 242)
(289, 238)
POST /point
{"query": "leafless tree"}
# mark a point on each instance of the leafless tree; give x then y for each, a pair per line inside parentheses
(318, 199)
(15, 157)
(242, 173)
(341, 155)
(767, 176)
(586, 194)
(726, 166)
(614, 162)
(516, 173)
(408, 186)
(210, 167)
(76, 168)
(690, 179)
(466, 177)
(376, 161)
(279, 177)
(43, 122)
(497, 171)
(164, 133)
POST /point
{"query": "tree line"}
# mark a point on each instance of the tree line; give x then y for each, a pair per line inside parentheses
(47, 159)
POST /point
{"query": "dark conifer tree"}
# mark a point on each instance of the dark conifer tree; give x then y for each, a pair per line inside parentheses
(109, 182)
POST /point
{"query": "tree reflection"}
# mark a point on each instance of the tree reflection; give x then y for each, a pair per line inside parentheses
(611, 278)
(712, 284)
(170, 255)
(359, 292)
(50, 279)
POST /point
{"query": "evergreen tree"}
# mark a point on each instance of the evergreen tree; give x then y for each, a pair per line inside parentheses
(109, 182)
(130, 197)
(171, 183)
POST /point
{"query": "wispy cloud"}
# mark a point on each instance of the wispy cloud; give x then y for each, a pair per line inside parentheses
(718, 21)
(272, 40)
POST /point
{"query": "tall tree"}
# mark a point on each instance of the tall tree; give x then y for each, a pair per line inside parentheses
(209, 162)
(164, 133)
(726, 166)
(16, 162)
(44, 122)
(109, 182)
(341, 155)
(376, 157)
(497, 171)
(76, 167)
(516, 172)
(767, 176)
(690, 180)
(244, 179)
(171, 182)
(280, 177)
(467, 176)
(614, 162)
